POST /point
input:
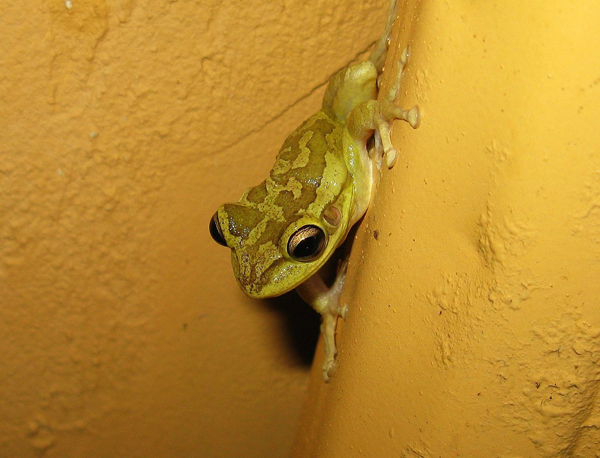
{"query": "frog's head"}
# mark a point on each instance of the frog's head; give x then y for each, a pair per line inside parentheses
(283, 230)
(273, 255)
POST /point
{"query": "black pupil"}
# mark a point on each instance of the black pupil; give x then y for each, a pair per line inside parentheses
(307, 247)
(215, 231)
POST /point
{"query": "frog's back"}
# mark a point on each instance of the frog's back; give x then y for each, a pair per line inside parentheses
(311, 163)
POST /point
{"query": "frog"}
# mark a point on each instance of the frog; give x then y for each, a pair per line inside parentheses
(283, 231)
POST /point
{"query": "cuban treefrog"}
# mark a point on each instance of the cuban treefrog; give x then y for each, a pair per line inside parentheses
(282, 231)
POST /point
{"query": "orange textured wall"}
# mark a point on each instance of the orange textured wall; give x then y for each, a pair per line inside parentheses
(474, 321)
(123, 126)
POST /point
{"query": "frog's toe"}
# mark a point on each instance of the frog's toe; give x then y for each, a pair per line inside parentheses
(328, 370)
(343, 311)
(405, 55)
(343, 267)
(390, 158)
(413, 117)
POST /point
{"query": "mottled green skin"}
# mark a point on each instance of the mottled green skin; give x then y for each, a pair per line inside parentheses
(310, 174)
(323, 165)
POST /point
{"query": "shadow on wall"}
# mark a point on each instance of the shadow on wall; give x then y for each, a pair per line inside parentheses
(302, 321)
(302, 326)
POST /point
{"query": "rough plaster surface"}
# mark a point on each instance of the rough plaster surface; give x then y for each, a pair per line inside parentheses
(123, 126)
(474, 323)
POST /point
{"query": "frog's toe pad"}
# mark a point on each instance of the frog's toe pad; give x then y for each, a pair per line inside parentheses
(343, 311)
(404, 55)
(413, 117)
(328, 370)
(390, 158)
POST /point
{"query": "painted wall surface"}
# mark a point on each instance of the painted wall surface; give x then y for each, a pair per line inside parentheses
(474, 321)
(123, 126)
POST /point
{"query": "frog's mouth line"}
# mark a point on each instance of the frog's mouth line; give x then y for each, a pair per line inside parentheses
(265, 285)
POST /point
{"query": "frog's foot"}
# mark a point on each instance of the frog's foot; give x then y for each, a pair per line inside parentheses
(328, 325)
(329, 317)
(389, 113)
(336, 290)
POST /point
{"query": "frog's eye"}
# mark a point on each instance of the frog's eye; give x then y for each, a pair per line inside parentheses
(215, 230)
(307, 243)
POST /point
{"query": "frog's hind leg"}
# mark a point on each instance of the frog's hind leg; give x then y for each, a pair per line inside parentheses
(392, 93)
(379, 53)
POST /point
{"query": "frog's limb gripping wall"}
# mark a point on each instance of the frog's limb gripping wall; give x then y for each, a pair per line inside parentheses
(474, 326)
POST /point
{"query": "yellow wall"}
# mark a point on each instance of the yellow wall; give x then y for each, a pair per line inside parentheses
(474, 321)
(123, 126)
(473, 328)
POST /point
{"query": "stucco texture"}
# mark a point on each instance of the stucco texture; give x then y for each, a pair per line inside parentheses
(123, 126)
(473, 327)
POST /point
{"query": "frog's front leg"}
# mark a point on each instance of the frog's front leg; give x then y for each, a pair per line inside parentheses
(326, 301)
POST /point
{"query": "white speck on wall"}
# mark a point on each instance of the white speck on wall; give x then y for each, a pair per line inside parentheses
(68, 4)
(93, 134)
